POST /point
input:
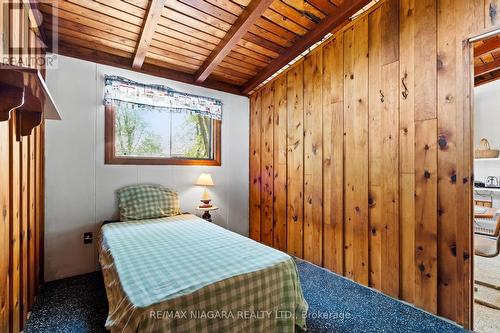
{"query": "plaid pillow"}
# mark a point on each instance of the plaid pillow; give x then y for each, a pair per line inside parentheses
(140, 202)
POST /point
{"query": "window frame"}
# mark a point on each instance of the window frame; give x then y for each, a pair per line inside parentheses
(111, 158)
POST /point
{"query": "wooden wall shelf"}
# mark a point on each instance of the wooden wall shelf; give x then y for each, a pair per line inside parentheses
(24, 90)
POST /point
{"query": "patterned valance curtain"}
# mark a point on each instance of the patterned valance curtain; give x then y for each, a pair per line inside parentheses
(125, 93)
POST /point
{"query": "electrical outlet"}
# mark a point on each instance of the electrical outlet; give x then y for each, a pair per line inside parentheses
(87, 238)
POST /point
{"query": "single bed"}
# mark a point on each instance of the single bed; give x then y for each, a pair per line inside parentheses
(184, 274)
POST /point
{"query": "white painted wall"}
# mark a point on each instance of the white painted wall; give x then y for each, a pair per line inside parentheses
(487, 125)
(80, 189)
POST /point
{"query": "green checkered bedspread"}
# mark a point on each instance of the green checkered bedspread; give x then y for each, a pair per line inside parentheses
(183, 274)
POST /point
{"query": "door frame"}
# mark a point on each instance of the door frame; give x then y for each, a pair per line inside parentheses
(468, 56)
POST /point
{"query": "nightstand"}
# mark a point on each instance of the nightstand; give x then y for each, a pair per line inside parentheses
(206, 215)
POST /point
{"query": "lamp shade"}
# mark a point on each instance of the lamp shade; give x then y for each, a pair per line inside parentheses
(205, 180)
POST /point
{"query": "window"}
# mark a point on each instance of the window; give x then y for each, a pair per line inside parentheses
(139, 133)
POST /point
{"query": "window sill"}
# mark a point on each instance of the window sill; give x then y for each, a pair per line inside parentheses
(160, 161)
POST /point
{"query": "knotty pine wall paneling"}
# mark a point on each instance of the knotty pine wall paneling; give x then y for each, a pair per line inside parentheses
(378, 159)
(21, 185)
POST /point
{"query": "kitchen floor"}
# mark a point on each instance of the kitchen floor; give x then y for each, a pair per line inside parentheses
(487, 320)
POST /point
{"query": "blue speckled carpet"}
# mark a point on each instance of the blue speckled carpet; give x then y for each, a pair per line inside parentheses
(78, 305)
(339, 305)
(74, 305)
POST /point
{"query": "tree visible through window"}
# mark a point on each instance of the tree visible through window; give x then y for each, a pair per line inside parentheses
(134, 136)
(162, 134)
(150, 134)
(153, 124)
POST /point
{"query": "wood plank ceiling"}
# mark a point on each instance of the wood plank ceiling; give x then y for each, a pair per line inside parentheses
(230, 45)
(487, 60)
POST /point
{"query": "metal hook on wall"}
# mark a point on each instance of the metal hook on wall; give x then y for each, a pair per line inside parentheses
(382, 96)
(405, 91)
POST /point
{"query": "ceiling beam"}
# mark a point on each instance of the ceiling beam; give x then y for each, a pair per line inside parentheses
(329, 23)
(482, 80)
(148, 30)
(92, 55)
(488, 46)
(487, 68)
(253, 11)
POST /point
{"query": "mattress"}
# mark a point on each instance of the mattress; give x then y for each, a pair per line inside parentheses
(183, 274)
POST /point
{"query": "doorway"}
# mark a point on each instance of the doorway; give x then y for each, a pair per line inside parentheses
(485, 52)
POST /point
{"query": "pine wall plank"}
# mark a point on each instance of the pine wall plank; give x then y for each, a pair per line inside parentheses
(392, 128)
(15, 227)
(4, 227)
(295, 160)
(356, 147)
(267, 169)
(390, 141)
(390, 181)
(447, 158)
(24, 225)
(280, 162)
(255, 152)
(333, 155)
(407, 149)
(38, 203)
(32, 222)
(376, 149)
(313, 159)
(425, 113)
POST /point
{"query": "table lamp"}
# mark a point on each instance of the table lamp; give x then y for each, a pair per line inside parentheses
(205, 180)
